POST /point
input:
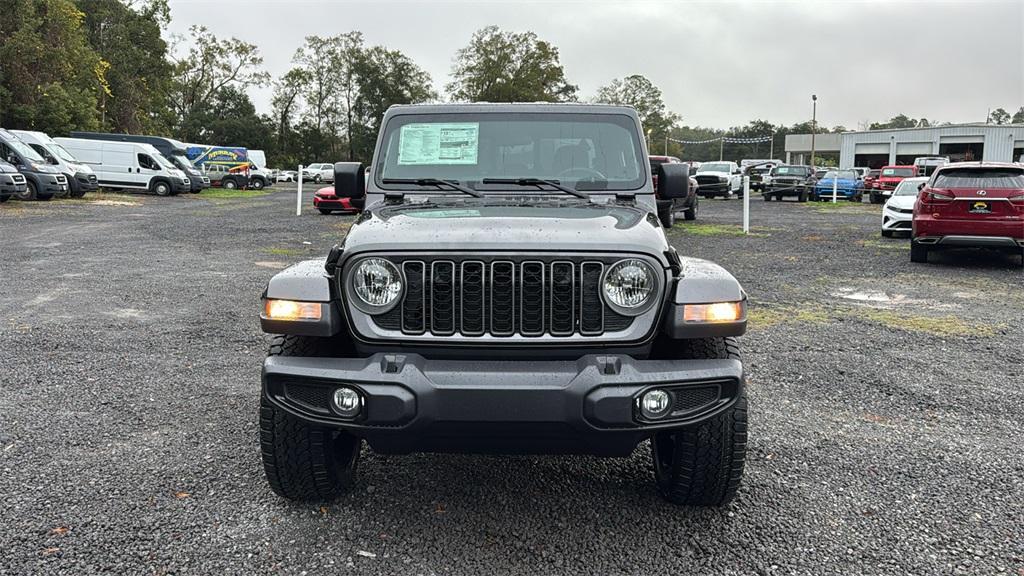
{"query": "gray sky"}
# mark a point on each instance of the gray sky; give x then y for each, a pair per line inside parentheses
(717, 64)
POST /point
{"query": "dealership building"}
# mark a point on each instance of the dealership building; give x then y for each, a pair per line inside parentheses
(877, 148)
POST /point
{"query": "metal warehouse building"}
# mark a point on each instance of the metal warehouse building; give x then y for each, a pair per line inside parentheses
(960, 142)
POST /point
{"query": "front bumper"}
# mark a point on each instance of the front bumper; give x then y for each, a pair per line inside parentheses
(83, 182)
(895, 221)
(840, 193)
(333, 203)
(12, 183)
(51, 184)
(179, 185)
(587, 406)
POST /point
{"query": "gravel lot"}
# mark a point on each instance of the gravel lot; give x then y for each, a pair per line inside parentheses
(886, 403)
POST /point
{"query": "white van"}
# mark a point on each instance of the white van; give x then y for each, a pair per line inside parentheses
(128, 165)
(81, 178)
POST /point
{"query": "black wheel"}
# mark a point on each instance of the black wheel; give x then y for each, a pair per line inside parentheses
(318, 178)
(324, 210)
(802, 197)
(161, 188)
(887, 233)
(4, 198)
(304, 461)
(29, 193)
(918, 252)
(229, 184)
(691, 212)
(875, 198)
(256, 184)
(702, 465)
(767, 197)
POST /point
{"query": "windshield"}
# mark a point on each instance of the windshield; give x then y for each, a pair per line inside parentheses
(980, 178)
(841, 174)
(163, 161)
(581, 151)
(181, 163)
(714, 167)
(905, 172)
(908, 187)
(790, 171)
(25, 150)
(62, 153)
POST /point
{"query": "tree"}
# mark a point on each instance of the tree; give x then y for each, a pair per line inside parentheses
(999, 116)
(230, 119)
(1018, 116)
(209, 66)
(127, 37)
(500, 66)
(898, 121)
(384, 77)
(640, 93)
(49, 75)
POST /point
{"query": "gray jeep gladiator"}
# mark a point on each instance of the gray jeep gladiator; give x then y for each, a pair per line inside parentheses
(508, 288)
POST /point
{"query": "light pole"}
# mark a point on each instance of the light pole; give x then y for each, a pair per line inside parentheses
(814, 124)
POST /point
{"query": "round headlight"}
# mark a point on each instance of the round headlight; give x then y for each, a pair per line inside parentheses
(377, 284)
(629, 286)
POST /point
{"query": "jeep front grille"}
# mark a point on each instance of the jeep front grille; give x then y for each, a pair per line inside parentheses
(503, 297)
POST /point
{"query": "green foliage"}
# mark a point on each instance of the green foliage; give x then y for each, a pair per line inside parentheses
(1018, 116)
(500, 66)
(640, 93)
(127, 37)
(209, 66)
(999, 116)
(49, 75)
(901, 121)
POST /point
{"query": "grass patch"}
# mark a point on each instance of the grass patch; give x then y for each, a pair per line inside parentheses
(883, 244)
(710, 229)
(935, 325)
(842, 205)
(759, 316)
(222, 193)
(286, 251)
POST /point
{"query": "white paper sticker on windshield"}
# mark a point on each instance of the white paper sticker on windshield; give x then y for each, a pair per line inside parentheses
(424, 144)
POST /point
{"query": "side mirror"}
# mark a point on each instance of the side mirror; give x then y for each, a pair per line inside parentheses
(350, 182)
(921, 186)
(673, 180)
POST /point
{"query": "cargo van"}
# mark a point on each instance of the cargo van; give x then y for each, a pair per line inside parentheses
(81, 178)
(171, 149)
(42, 181)
(129, 165)
(12, 182)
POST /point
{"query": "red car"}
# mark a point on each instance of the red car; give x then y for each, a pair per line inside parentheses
(326, 202)
(888, 179)
(870, 177)
(666, 209)
(970, 204)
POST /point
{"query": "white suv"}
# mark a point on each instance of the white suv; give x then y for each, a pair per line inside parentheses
(322, 172)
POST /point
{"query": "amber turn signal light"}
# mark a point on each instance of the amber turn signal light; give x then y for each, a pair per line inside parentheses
(717, 312)
(292, 310)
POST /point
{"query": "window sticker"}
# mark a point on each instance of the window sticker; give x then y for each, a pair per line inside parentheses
(438, 144)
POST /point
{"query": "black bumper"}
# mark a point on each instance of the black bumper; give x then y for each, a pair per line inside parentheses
(81, 182)
(587, 406)
(8, 185)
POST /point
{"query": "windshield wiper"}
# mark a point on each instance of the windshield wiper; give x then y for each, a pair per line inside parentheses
(538, 182)
(451, 184)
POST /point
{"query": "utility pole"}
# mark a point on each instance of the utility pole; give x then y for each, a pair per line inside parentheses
(721, 147)
(666, 145)
(771, 147)
(814, 124)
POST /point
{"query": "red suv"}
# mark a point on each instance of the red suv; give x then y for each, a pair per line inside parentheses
(970, 204)
(888, 179)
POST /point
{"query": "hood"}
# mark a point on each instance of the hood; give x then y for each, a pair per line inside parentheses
(901, 202)
(8, 168)
(516, 224)
(712, 173)
(827, 182)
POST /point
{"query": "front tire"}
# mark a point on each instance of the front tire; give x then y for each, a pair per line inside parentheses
(702, 465)
(256, 184)
(161, 188)
(303, 461)
(886, 233)
(229, 184)
(29, 193)
(691, 212)
(324, 210)
(666, 213)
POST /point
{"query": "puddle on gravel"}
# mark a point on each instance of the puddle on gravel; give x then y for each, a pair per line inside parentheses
(883, 299)
(272, 265)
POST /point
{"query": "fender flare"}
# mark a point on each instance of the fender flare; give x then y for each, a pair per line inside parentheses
(703, 282)
(307, 282)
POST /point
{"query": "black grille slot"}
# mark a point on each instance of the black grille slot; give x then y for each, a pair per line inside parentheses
(690, 399)
(442, 297)
(414, 303)
(531, 299)
(472, 308)
(563, 298)
(591, 307)
(503, 297)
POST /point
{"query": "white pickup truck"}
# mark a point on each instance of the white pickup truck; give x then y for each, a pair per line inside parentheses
(719, 179)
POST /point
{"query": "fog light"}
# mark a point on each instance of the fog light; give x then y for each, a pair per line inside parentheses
(655, 404)
(347, 402)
